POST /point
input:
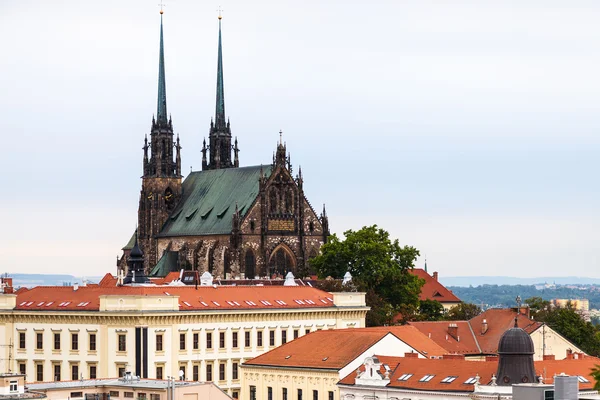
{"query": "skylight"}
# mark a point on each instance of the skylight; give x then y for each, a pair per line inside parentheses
(250, 303)
(449, 379)
(23, 303)
(323, 301)
(204, 304)
(236, 303)
(582, 379)
(471, 381)
(266, 303)
(281, 302)
(30, 303)
(41, 303)
(330, 299)
(187, 304)
(426, 378)
(310, 302)
(230, 303)
(167, 293)
(299, 301)
(405, 377)
(216, 304)
(49, 304)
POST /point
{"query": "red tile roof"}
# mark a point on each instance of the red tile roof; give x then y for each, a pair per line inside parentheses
(334, 349)
(464, 342)
(499, 320)
(327, 349)
(87, 298)
(472, 340)
(433, 289)
(463, 370)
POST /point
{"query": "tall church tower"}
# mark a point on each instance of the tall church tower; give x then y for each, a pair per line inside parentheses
(161, 182)
(219, 139)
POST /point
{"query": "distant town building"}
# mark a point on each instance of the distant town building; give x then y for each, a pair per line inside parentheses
(582, 306)
(479, 337)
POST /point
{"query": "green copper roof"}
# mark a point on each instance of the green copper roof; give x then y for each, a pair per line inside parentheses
(209, 198)
(161, 112)
(131, 242)
(220, 111)
(166, 264)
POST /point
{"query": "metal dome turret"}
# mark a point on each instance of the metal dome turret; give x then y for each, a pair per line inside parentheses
(515, 364)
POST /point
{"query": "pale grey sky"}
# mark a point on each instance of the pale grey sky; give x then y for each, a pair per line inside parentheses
(468, 129)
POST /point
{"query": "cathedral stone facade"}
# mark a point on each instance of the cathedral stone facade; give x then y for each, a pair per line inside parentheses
(229, 220)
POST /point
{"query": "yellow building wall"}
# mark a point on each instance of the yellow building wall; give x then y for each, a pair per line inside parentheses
(308, 380)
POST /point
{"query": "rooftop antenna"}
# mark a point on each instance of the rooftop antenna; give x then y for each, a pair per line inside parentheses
(518, 300)
(161, 5)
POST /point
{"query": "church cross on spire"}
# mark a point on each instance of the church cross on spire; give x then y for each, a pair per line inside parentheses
(161, 113)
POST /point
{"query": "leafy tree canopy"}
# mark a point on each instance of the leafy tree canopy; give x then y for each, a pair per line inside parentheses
(462, 312)
(379, 266)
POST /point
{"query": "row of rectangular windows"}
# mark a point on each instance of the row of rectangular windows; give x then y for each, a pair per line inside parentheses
(235, 339)
(122, 340)
(284, 394)
(57, 371)
(39, 341)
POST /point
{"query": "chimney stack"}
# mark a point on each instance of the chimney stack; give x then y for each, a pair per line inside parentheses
(411, 355)
(435, 275)
(453, 330)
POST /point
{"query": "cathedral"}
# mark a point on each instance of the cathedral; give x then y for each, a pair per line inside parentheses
(230, 220)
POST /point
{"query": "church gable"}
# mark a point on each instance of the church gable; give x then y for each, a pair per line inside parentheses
(209, 201)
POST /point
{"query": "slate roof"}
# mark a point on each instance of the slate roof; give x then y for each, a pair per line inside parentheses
(433, 289)
(464, 370)
(209, 199)
(334, 349)
(167, 263)
(221, 298)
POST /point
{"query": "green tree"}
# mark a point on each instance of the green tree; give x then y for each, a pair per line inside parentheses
(596, 376)
(430, 310)
(379, 266)
(463, 312)
(538, 307)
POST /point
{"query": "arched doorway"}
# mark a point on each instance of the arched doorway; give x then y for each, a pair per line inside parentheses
(282, 261)
(249, 264)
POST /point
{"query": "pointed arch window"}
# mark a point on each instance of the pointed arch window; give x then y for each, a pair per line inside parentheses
(273, 201)
(249, 264)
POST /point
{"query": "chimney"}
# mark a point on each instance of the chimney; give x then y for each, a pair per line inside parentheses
(6, 285)
(435, 275)
(569, 354)
(549, 357)
(75, 286)
(411, 355)
(453, 330)
(484, 327)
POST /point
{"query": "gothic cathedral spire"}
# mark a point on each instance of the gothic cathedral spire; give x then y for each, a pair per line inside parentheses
(219, 146)
(161, 182)
(161, 112)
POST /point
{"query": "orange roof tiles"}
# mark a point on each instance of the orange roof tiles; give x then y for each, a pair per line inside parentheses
(414, 338)
(328, 349)
(499, 320)
(472, 340)
(464, 342)
(87, 298)
(334, 349)
(463, 370)
(433, 289)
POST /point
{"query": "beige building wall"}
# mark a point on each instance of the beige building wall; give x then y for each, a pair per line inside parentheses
(120, 315)
(555, 344)
(304, 379)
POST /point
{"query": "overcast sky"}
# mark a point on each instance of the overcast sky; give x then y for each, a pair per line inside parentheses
(468, 129)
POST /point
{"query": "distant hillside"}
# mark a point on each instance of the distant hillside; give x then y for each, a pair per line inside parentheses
(467, 281)
(30, 280)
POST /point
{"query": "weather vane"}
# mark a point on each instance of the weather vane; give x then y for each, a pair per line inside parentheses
(220, 11)
(161, 4)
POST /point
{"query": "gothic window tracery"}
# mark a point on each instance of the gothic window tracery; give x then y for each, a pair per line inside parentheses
(273, 200)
